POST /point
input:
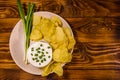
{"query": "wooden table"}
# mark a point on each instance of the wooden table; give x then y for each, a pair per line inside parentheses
(96, 26)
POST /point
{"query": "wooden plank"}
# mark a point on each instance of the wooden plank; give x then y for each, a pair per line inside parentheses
(83, 8)
(79, 61)
(68, 74)
(6, 26)
(4, 51)
(65, 8)
(9, 9)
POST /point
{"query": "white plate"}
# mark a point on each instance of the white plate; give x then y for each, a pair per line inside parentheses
(17, 43)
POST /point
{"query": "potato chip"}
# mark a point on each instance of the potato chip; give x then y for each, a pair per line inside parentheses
(47, 27)
(35, 35)
(58, 69)
(56, 21)
(60, 37)
(70, 38)
(36, 20)
(62, 55)
(71, 43)
(54, 45)
(52, 67)
(47, 69)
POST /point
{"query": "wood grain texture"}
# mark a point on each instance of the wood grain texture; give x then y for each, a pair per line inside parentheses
(9, 9)
(65, 8)
(68, 75)
(96, 27)
(83, 8)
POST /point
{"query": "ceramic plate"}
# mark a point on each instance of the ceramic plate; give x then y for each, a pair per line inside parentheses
(17, 43)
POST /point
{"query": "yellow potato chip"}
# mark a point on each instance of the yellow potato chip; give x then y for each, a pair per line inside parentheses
(36, 20)
(35, 35)
(58, 69)
(62, 55)
(64, 44)
(70, 38)
(54, 45)
(47, 27)
(47, 69)
(52, 67)
(71, 43)
(60, 37)
(50, 38)
(56, 21)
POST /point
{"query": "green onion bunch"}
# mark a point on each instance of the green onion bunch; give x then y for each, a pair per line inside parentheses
(27, 23)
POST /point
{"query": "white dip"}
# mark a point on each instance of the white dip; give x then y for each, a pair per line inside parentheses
(39, 54)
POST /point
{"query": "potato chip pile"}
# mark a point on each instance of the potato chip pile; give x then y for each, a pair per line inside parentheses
(58, 36)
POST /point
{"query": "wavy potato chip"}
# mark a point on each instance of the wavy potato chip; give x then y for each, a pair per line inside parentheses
(70, 38)
(36, 20)
(47, 27)
(54, 45)
(71, 43)
(58, 39)
(62, 55)
(47, 69)
(58, 69)
(56, 21)
(52, 67)
(60, 35)
(35, 35)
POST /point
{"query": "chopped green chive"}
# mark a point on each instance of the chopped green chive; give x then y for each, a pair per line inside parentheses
(38, 51)
(41, 61)
(32, 49)
(40, 57)
(46, 52)
(48, 47)
(36, 54)
(33, 59)
(48, 56)
(44, 59)
(31, 54)
(38, 48)
(42, 52)
(42, 49)
(41, 45)
(37, 60)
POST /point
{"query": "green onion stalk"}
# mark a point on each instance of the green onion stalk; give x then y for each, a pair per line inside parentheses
(27, 23)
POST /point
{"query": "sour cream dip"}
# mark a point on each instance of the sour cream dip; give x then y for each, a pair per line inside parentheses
(39, 54)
